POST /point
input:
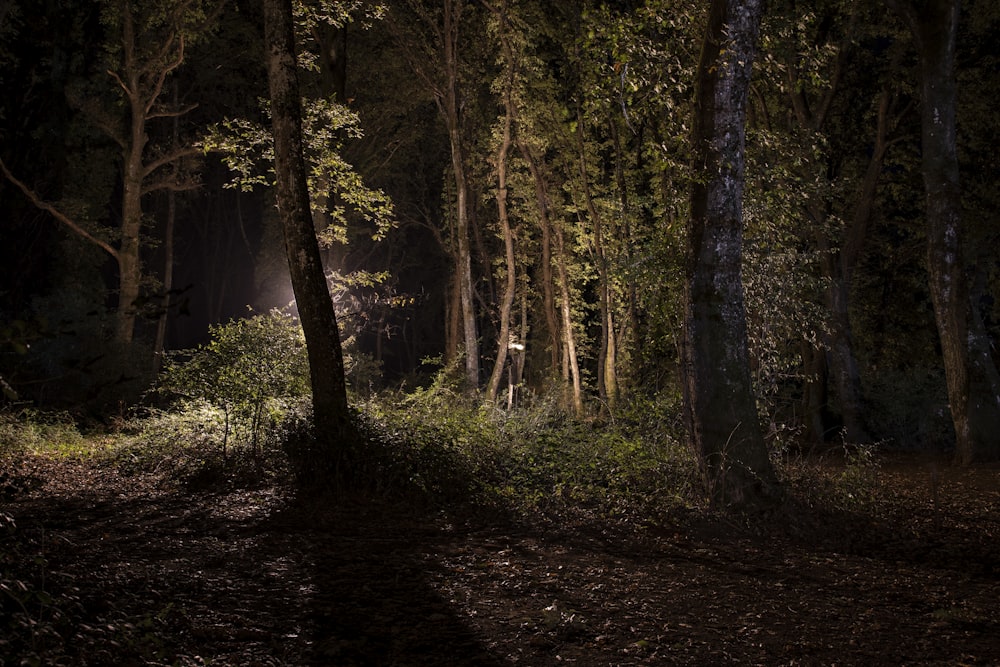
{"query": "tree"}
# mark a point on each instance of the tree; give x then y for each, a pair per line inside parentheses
(972, 378)
(506, 141)
(312, 295)
(146, 45)
(436, 62)
(719, 402)
(811, 80)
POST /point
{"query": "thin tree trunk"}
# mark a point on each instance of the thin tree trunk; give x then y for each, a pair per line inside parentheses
(841, 362)
(972, 378)
(453, 320)
(312, 295)
(571, 366)
(129, 267)
(520, 351)
(629, 326)
(168, 259)
(840, 270)
(510, 286)
(815, 398)
(719, 403)
(463, 267)
(607, 376)
(548, 288)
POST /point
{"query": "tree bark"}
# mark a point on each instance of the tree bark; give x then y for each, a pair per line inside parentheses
(607, 374)
(571, 364)
(312, 294)
(719, 403)
(548, 289)
(510, 285)
(972, 378)
(168, 257)
(463, 266)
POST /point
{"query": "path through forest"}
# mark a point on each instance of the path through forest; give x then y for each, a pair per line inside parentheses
(143, 575)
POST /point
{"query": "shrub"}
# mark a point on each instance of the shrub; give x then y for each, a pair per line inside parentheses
(189, 445)
(446, 446)
(249, 370)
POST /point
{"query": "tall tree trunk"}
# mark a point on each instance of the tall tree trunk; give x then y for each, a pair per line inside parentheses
(972, 378)
(571, 365)
(841, 363)
(133, 174)
(840, 270)
(129, 266)
(463, 266)
(168, 258)
(510, 285)
(719, 402)
(607, 375)
(453, 320)
(548, 286)
(815, 397)
(312, 295)
(627, 339)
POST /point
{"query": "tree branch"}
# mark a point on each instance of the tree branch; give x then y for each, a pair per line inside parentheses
(167, 69)
(172, 184)
(56, 213)
(167, 158)
(176, 113)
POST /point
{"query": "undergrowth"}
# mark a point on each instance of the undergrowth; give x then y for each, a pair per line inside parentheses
(440, 445)
(434, 447)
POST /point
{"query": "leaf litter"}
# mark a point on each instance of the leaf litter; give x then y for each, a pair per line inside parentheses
(102, 568)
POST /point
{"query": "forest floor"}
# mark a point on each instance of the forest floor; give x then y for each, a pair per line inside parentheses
(117, 570)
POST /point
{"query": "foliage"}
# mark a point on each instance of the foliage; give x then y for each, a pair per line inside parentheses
(247, 148)
(26, 431)
(780, 284)
(439, 444)
(248, 370)
(857, 485)
(192, 446)
(310, 15)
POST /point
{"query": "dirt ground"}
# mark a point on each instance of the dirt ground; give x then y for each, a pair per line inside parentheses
(133, 574)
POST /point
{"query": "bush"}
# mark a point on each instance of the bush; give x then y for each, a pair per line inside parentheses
(445, 446)
(192, 445)
(250, 370)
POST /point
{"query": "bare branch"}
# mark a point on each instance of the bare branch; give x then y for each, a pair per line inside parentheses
(121, 84)
(167, 158)
(175, 113)
(162, 76)
(56, 213)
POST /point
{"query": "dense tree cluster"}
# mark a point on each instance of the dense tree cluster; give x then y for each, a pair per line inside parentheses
(551, 168)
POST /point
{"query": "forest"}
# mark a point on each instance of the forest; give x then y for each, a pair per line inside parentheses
(488, 332)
